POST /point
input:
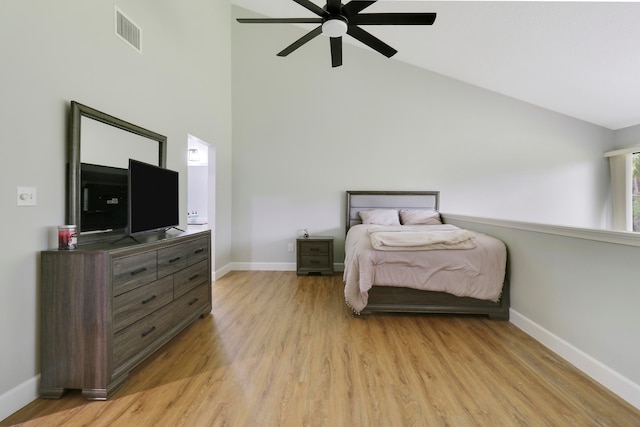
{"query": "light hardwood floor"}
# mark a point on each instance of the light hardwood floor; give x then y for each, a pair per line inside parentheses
(282, 350)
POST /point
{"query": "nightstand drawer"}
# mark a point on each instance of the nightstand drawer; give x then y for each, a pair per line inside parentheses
(314, 262)
(314, 248)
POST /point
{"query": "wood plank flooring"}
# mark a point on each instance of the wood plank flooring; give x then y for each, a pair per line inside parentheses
(282, 350)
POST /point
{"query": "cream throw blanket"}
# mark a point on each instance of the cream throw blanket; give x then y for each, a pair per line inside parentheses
(403, 238)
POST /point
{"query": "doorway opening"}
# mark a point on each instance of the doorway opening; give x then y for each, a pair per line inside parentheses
(201, 189)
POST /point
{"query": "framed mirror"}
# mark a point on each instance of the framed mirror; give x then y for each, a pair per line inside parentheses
(99, 150)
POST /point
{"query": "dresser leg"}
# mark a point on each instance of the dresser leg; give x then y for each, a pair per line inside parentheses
(51, 393)
(94, 393)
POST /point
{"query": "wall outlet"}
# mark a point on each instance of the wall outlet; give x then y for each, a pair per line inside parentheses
(290, 247)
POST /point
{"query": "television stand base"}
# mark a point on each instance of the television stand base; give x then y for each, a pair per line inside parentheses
(173, 228)
(128, 236)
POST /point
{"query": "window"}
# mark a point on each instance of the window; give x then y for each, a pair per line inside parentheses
(625, 188)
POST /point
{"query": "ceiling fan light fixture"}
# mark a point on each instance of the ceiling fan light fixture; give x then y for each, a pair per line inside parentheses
(334, 27)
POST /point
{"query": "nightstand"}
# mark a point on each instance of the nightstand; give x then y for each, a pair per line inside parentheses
(314, 256)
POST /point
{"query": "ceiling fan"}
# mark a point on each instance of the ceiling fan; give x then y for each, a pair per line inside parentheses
(336, 20)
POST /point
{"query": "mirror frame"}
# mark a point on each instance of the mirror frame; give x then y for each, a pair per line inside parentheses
(78, 111)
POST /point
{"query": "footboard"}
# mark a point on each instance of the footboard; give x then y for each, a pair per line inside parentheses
(391, 299)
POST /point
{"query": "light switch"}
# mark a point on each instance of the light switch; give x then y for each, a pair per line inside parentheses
(26, 196)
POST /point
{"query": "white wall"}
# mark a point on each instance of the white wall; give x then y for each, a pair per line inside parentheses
(627, 137)
(304, 133)
(55, 52)
(576, 291)
(198, 190)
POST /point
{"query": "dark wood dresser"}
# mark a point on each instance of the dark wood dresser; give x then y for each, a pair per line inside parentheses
(314, 256)
(107, 307)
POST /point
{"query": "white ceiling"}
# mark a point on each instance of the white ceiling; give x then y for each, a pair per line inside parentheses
(581, 59)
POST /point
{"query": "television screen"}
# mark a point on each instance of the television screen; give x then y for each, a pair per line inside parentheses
(103, 198)
(153, 197)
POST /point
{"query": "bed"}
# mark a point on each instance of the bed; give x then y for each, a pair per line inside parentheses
(465, 275)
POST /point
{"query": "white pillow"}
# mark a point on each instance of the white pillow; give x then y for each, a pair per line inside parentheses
(380, 217)
(419, 217)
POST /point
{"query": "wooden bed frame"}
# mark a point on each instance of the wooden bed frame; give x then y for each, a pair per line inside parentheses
(390, 299)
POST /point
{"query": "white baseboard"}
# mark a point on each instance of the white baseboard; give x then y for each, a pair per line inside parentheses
(221, 272)
(18, 397)
(263, 266)
(269, 266)
(615, 382)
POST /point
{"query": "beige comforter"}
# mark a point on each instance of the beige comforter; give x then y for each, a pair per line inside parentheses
(476, 272)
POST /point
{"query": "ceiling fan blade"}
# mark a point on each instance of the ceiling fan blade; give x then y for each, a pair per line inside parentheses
(280, 20)
(393, 19)
(354, 7)
(302, 40)
(333, 6)
(371, 41)
(312, 7)
(336, 51)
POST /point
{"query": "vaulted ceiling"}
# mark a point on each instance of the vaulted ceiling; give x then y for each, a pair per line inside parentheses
(581, 59)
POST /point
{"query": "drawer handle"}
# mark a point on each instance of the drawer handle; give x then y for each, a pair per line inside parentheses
(197, 251)
(313, 261)
(138, 271)
(151, 298)
(175, 259)
(193, 301)
(144, 334)
(193, 277)
(314, 249)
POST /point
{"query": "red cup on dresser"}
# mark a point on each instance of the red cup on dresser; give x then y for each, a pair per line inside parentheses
(67, 237)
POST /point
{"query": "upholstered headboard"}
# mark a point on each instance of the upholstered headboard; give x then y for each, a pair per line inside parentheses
(364, 200)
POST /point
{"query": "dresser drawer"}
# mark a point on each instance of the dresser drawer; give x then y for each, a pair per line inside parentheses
(191, 277)
(172, 259)
(197, 251)
(195, 301)
(132, 341)
(133, 271)
(132, 306)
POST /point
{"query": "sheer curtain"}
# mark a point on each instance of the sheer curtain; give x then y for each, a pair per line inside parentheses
(621, 166)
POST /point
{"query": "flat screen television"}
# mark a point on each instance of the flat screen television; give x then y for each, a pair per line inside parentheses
(153, 198)
(103, 198)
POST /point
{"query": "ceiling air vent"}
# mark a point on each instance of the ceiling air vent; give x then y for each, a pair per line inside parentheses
(128, 31)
